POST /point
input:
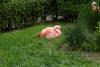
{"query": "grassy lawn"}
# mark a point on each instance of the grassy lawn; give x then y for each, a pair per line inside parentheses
(22, 48)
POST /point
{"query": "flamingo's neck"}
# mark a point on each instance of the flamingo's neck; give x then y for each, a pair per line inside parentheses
(57, 31)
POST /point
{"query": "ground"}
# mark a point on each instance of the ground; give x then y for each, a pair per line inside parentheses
(93, 56)
(23, 48)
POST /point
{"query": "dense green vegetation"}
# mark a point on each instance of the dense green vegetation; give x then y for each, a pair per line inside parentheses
(16, 14)
(85, 34)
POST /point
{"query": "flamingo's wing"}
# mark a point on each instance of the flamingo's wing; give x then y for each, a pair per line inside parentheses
(46, 31)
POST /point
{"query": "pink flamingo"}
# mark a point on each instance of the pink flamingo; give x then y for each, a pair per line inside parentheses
(51, 32)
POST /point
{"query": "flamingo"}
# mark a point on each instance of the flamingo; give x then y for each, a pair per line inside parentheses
(95, 6)
(51, 32)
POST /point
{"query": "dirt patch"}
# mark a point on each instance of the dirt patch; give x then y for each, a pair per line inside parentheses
(92, 56)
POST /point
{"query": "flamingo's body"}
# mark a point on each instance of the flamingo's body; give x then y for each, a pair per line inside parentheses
(51, 32)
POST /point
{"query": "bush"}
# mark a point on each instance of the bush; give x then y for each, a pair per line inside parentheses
(83, 36)
(22, 13)
(88, 17)
(76, 38)
(88, 21)
(90, 44)
(18, 14)
(72, 8)
(97, 35)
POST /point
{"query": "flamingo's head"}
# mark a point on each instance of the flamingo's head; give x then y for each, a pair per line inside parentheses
(57, 27)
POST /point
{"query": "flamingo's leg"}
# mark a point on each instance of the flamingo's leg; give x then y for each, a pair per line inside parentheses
(50, 47)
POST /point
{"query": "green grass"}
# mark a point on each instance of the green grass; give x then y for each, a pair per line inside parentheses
(22, 48)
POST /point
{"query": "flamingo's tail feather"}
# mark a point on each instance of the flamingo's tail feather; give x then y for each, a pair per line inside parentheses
(39, 34)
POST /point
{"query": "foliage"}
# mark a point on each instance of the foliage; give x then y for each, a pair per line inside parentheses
(88, 21)
(97, 35)
(19, 13)
(16, 14)
(76, 38)
(4, 1)
(71, 8)
(88, 17)
(82, 36)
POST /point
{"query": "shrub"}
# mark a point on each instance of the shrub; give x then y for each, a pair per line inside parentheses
(83, 36)
(72, 8)
(90, 44)
(76, 38)
(22, 13)
(88, 21)
(88, 17)
(97, 35)
(18, 13)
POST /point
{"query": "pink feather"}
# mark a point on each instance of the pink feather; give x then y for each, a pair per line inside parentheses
(51, 32)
